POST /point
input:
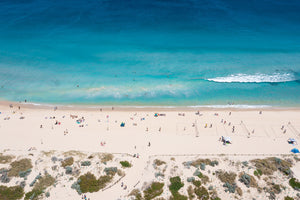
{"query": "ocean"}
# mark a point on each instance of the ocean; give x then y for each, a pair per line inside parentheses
(151, 52)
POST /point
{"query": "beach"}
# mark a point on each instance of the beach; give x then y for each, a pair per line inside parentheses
(148, 133)
(191, 131)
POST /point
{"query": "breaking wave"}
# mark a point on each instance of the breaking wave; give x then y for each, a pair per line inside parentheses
(256, 78)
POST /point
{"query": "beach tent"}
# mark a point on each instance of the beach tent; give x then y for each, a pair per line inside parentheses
(292, 141)
(122, 124)
(156, 115)
(226, 140)
(294, 150)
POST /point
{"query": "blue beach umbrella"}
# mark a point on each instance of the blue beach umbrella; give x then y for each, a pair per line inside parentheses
(294, 150)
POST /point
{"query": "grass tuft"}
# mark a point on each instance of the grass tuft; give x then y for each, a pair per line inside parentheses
(106, 157)
(19, 166)
(227, 177)
(4, 159)
(67, 162)
(158, 162)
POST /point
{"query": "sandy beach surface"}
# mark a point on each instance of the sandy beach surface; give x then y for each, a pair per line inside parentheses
(182, 134)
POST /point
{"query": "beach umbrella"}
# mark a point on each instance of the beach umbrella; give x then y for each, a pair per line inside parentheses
(295, 150)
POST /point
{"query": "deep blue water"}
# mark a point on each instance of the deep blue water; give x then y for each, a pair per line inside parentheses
(150, 52)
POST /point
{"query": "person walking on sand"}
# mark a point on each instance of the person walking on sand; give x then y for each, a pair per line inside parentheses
(149, 144)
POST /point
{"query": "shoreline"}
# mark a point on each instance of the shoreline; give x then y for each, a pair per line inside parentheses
(84, 107)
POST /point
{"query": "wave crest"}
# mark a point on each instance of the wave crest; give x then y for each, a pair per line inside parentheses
(256, 78)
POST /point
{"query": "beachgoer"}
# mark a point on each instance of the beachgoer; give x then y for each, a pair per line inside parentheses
(149, 144)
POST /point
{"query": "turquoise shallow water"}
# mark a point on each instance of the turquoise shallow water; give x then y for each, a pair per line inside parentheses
(180, 53)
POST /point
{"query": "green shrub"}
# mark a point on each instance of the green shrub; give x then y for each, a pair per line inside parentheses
(176, 184)
(125, 164)
(288, 198)
(89, 183)
(178, 196)
(76, 186)
(248, 180)
(204, 178)
(104, 180)
(33, 195)
(67, 162)
(294, 184)
(190, 179)
(35, 179)
(11, 193)
(69, 170)
(19, 166)
(111, 171)
(136, 193)
(24, 174)
(190, 192)
(229, 187)
(202, 166)
(258, 172)
(276, 188)
(197, 183)
(86, 163)
(47, 194)
(42, 184)
(154, 190)
(201, 193)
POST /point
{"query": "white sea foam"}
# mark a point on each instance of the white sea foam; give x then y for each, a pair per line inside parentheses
(256, 78)
(134, 91)
(242, 106)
